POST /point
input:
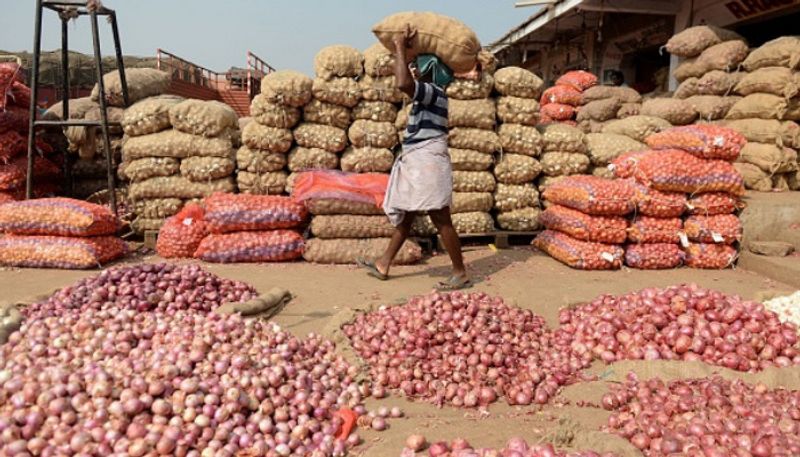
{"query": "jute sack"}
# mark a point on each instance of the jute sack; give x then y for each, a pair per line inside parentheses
(374, 111)
(780, 183)
(157, 208)
(520, 139)
(200, 117)
(287, 87)
(473, 222)
(605, 147)
(637, 127)
(147, 116)
(780, 52)
(380, 89)
(148, 167)
(760, 106)
(793, 178)
(473, 181)
(338, 61)
(469, 160)
(688, 88)
(273, 114)
(601, 171)
(320, 112)
(546, 181)
(712, 107)
(467, 202)
(476, 139)
(304, 159)
(518, 82)
(688, 68)
(177, 187)
(271, 139)
(363, 133)
(754, 177)
(769, 158)
(333, 206)
(257, 161)
(718, 82)
(562, 138)
(401, 122)
(449, 39)
(339, 91)
(516, 169)
(351, 226)
(479, 114)
(204, 169)
(172, 143)
(270, 183)
(320, 136)
(142, 83)
(367, 160)
(672, 110)
(599, 110)
(767, 131)
(143, 224)
(508, 197)
(488, 62)
(793, 110)
(564, 163)
(694, 40)
(725, 56)
(520, 220)
(515, 110)
(346, 251)
(628, 110)
(468, 89)
(779, 81)
(378, 61)
(623, 94)
(592, 126)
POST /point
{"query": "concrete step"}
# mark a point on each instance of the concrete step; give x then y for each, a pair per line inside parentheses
(781, 269)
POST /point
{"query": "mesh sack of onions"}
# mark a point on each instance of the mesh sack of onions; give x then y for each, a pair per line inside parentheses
(12, 145)
(329, 138)
(468, 160)
(599, 229)
(364, 188)
(564, 163)
(479, 114)
(577, 79)
(150, 115)
(516, 169)
(324, 206)
(346, 251)
(58, 217)
(257, 161)
(380, 89)
(637, 127)
(157, 208)
(672, 170)
(473, 181)
(654, 256)
(179, 145)
(201, 117)
(302, 159)
(270, 183)
(269, 246)
(714, 203)
(564, 95)
(520, 139)
(239, 212)
(654, 203)
(469, 89)
(473, 222)
(508, 197)
(557, 111)
(375, 111)
(63, 252)
(338, 61)
(722, 228)
(12, 176)
(515, 110)
(519, 220)
(338, 91)
(182, 233)
(363, 133)
(273, 114)
(202, 169)
(703, 140)
(367, 160)
(646, 230)
(605, 147)
(287, 87)
(466, 202)
(517, 82)
(624, 166)
(592, 195)
(14, 118)
(351, 226)
(485, 141)
(149, 167)
(319, 112)
(263, 138)
(178, 187)
(562, 138)
(710, 256)
(378, 61)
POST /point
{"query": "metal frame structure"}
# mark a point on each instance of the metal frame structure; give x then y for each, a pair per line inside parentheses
(66, 10)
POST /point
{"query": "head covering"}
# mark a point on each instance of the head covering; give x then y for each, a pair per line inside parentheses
(441, 74)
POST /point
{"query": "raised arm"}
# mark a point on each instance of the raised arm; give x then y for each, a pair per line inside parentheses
(403, 78)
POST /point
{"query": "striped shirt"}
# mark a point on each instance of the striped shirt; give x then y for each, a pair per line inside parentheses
(428, 117)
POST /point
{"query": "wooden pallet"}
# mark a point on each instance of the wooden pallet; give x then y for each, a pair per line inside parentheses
(499, 239)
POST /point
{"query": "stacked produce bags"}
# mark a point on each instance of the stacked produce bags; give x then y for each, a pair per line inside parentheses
(564, 153)
(559, 102)
(58, 233)
(601, 104)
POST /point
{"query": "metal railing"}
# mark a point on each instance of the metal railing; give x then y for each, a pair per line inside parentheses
(247, 79)
(257, 68)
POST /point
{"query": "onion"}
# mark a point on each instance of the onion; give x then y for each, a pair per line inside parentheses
(438, 449)
(416, 442)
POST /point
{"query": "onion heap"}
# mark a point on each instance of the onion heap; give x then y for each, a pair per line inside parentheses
(120, 382)
(682, 322)
(515, 447)
(145, 287)
(705, 417)
(463, 350)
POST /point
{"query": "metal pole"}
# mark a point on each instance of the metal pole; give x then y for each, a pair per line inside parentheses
(37, 49)
(120, 62)
(65, 97)
(98, 61)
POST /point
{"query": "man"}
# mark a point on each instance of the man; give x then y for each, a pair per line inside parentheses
(422, 176)
(617, 78)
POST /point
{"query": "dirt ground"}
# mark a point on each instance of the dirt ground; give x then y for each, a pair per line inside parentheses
(523, 276)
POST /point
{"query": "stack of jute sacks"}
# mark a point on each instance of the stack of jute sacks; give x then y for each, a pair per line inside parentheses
(559, 103)
(601, 104)
(176, 151)
(564, 153)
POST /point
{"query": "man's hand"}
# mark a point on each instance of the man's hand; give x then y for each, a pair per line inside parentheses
(403, 41)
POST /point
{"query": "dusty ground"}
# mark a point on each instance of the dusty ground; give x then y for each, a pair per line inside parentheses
(522, 276)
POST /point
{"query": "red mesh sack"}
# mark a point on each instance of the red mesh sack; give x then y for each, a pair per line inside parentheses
(12, 175)
(19, 95)
(12, 144)
(182, 233)
(544, 119)
(59, 251)
(624, 166)
(657, 256)
(14, 118)
(577, 79)
(564, 95)
(714, 203)
(647, 229)
(706, 141)
(9, 74)
(672, 170)
(600, 229)
(269, 246)
(654, 203)
(710, 256)
(240, 212)
(592, 195)
(557, 111)
(7, 197)
(339, 185)
(583, 255)
(57, 216)
(722, 228)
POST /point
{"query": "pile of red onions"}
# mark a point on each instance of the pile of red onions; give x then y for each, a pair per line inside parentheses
(682, 322)
(515, 447)
(464, 350)
(705, 417)
(119, 382)
(146, 287)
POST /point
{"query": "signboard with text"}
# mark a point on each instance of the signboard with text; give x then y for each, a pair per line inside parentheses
(727, 12)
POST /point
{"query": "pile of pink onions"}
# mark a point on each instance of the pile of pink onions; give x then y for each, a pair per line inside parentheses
(515, 447)
(145, 287)
(681, 323)
(463, 350)
(711, 417)
(119, 382)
